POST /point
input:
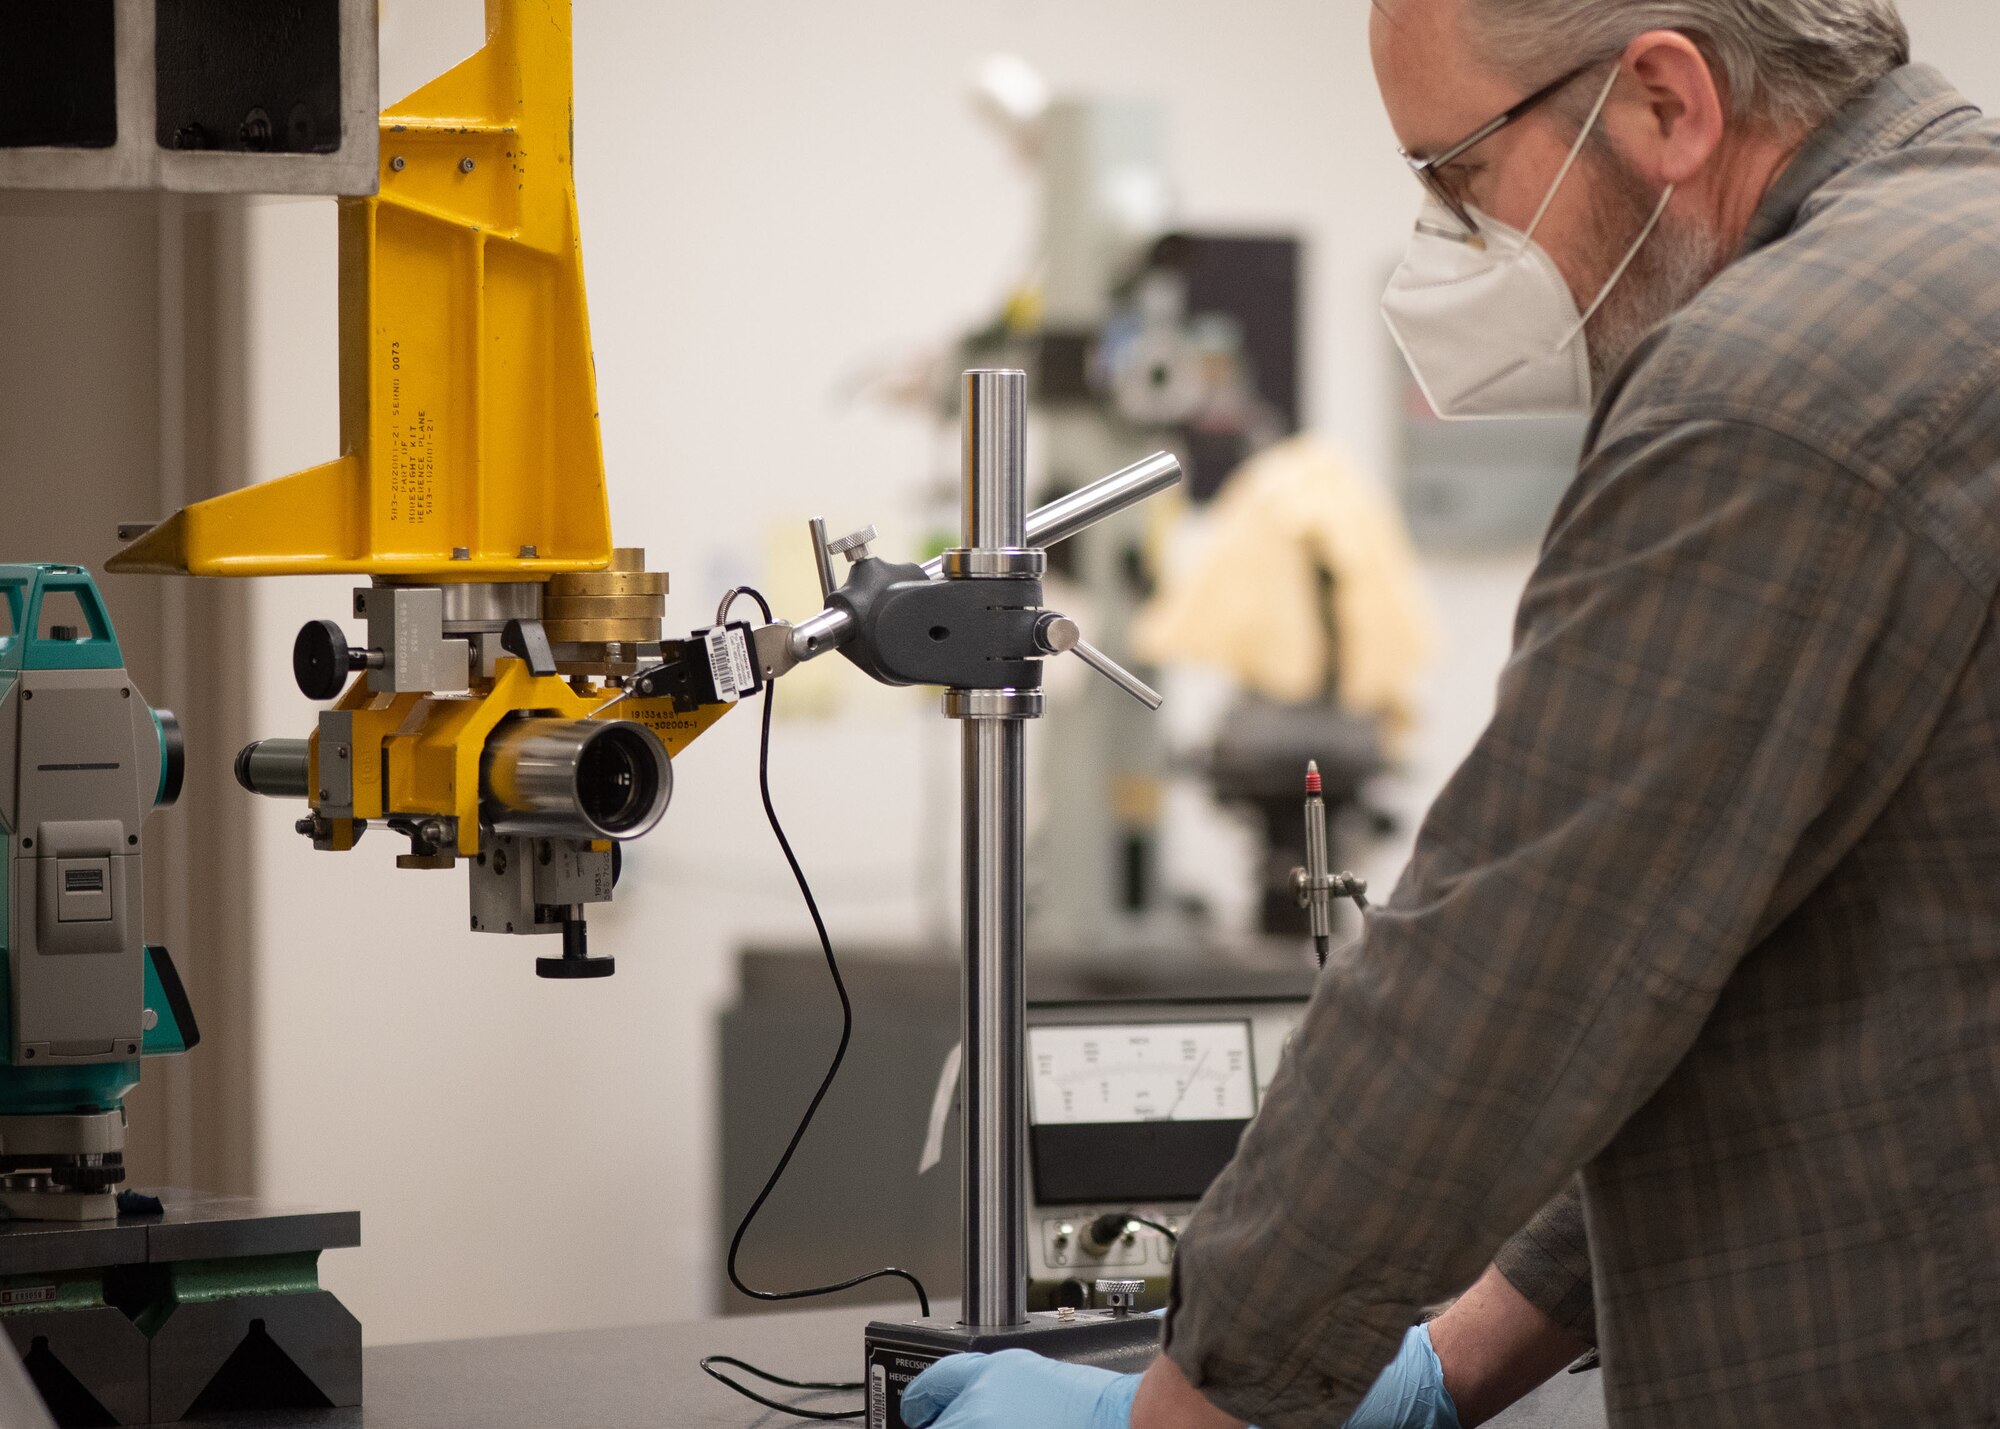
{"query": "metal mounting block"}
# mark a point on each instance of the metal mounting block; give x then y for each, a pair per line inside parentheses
(188, 96)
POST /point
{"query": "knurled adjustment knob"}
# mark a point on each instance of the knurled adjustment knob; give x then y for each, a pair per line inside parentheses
(854, 545)
(1120, 1297)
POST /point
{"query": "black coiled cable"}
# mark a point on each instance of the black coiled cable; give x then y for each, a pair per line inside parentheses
(710, 1363)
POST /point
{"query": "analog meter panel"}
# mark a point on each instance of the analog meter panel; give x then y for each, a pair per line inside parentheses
(1134, 1107)
(1132, 1111)
(1142, 1072)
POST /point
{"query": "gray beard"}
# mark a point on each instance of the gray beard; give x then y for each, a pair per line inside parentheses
(1675, 264)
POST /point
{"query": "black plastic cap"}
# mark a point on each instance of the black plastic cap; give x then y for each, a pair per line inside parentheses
(319, 660)
(576, 960)
(527, 640)
(575, 967)
(173, 759)
(176, 994)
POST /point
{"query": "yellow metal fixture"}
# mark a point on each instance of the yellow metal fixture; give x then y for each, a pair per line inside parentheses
(489, 715)
(415, 756)
(468, 405)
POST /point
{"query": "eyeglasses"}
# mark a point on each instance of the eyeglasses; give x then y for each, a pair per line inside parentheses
(1430, 172)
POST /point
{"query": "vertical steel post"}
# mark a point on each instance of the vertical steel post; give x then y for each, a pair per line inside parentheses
(995, 1005)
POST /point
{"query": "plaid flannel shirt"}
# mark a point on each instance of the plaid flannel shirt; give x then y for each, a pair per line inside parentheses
(1711, 914)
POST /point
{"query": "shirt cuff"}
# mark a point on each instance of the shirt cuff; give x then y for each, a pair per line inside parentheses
(1548, 1261)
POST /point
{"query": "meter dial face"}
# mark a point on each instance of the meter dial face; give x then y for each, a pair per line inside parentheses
(1181, 1071)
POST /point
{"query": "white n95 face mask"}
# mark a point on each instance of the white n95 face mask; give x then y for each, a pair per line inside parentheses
(1488, 324)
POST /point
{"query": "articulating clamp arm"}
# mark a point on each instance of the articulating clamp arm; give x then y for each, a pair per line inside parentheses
(969, 620)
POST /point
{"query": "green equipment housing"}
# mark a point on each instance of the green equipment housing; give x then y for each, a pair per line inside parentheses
(84, 762)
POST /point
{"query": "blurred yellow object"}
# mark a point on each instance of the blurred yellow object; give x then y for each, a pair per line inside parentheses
(1024, 310)
(468, 403)
(1255, 603)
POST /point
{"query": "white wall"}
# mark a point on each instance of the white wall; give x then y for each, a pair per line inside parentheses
(1962, 38)
(775, 195)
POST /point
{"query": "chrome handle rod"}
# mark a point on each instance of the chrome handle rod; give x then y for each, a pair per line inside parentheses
(1118, 675)
(1084, 508)
(822, 559)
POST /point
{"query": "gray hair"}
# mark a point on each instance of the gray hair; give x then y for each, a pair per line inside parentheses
(1789, 64)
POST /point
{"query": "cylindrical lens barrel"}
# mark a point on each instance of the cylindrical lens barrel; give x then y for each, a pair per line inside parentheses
(586, 779)
(280, 768)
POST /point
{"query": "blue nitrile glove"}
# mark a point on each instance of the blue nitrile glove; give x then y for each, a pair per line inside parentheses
(1410, 1393)
(1016, 1389)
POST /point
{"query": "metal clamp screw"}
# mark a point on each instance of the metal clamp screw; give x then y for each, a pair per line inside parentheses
(854, 545)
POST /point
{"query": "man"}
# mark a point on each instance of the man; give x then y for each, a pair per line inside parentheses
(1712, 912)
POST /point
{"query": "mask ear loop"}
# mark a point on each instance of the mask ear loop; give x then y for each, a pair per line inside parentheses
(1618, 276)
(1575, 153)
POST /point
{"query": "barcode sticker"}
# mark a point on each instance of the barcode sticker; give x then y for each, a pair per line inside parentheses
(729, 663)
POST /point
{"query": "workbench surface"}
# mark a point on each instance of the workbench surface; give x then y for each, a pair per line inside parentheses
(649, 1378)
(641, 1378)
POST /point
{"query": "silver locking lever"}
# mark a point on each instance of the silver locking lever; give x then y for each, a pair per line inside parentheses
(1080, 510)
(1059, 635)
(822, 559)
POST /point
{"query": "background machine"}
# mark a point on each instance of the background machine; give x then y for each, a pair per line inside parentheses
(1139, 333)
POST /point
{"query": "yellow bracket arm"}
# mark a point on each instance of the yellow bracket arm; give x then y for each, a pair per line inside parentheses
(468, 402)
(428, 748)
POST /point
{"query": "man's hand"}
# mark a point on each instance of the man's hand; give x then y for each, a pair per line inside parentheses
(1018, 1390)
(1500, 1346)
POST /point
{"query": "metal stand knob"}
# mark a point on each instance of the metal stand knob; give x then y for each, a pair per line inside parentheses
(854, 545)
(1120, 1297)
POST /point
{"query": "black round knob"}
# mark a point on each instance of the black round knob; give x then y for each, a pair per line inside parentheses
(173, 760)
(576, 961)
(575, 967)
(320, 661)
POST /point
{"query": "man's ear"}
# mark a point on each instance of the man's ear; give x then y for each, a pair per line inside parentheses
(1673, 114)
